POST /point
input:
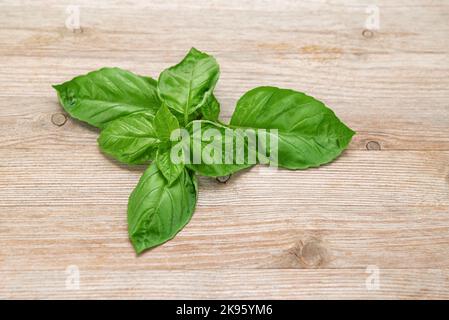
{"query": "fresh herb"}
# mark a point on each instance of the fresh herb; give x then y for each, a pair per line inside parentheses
(173, 122)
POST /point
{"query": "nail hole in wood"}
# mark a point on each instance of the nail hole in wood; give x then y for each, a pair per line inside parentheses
(373, 145)
(223, 179)
(367, 33)
(58, 119)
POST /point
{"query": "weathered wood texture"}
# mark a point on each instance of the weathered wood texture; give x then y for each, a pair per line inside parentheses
(265, 233)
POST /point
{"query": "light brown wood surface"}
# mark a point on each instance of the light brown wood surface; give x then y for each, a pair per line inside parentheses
(266, 233)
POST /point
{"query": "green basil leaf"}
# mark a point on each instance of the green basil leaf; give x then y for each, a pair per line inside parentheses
(309, 133)
(184, 85)
(227, 160)
(165, 122)
(157, 211)
(193, 116)
(131, 139)
(108, 94)
(170, 170)
(210, 109)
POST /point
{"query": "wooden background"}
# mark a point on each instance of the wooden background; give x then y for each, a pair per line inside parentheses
(265, 234)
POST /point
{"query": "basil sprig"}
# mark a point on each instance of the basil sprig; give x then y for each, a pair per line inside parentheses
(138, 117)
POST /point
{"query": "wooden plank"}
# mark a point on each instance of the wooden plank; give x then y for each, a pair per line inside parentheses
(254, 25)
(413, 178)
(229, 284)
(24, 123)
(221, 238)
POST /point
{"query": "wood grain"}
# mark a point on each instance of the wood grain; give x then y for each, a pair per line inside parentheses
(265, 233)
(230, 284)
